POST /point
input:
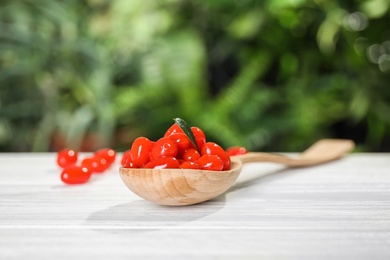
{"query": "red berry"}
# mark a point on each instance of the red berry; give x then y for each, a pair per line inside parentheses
(91, 163)
(189, 165)
(66, 158)
(103, 164)
(175, 128)
(210, 162)
(163, 163)
(126, 161)
(75, 174)
(164, 147)
(211, 148)
(106, 153)
(181, 161)
(140, 150)
(191, 155)
(126, 158)
(200, 137)
(95, 164)
(182, 142)
(236, 150)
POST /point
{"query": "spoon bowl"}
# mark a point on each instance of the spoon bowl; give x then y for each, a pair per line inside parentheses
(178, 187)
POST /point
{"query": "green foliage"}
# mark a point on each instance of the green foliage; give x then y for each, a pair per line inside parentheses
(269, 75)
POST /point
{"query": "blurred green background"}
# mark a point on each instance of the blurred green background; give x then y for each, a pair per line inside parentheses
(272, 75)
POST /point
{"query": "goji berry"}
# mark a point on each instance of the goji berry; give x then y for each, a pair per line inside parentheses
(236, 150)
(126, 161)
(140, 150)
(106, 153)
(210, 162)
(66, 157)
(199, 135)
(189, 165)
(75, 174)
(163, 163)
(191, 155)
(212, 148)
(182, 142)
(95, 164)
(163, 147)
(175, 128)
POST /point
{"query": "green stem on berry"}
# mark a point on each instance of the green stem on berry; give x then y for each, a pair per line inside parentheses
(187, 131)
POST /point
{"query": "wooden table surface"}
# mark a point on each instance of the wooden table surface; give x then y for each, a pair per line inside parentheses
(339, 210)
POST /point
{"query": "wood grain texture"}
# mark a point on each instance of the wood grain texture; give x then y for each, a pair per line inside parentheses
(322, 151)
(338, 210)
(178, 187)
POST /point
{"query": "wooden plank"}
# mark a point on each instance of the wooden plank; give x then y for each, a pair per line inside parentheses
(339, 210)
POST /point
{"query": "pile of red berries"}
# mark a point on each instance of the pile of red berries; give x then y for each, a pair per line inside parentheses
(74, 173)
(175, 150)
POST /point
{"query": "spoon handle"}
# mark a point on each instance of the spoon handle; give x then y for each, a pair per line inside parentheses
(271, 157)
(322, 151)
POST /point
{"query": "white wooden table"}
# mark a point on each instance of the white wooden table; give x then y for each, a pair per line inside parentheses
(339, 210)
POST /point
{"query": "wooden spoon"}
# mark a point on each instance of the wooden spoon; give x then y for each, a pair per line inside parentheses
(178, 187)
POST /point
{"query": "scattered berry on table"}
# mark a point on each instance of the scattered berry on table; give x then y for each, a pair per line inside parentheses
(75, 174)
(106, 153)
(66, 157)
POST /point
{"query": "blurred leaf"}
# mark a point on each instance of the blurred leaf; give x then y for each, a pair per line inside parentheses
(328, 31)
(246, 25)
(375, 8)
(269, 75)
